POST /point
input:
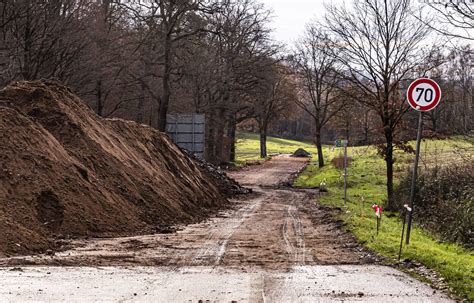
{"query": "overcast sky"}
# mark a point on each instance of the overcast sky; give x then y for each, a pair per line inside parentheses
(291, 16)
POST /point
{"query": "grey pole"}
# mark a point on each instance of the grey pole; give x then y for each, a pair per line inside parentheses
(415, 175)
(345, 173)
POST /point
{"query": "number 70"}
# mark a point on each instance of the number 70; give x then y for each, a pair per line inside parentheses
(427, 94)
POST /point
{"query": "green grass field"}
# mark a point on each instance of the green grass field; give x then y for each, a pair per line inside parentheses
(434, 152)
(437, 153)
(367, 186)
(248, 147)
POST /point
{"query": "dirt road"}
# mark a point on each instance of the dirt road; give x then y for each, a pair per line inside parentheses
(272, 173)
(277, 245)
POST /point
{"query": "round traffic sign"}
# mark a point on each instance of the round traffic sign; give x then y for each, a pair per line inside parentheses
(423, 94)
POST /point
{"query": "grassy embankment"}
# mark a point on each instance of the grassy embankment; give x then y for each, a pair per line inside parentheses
(367, 186)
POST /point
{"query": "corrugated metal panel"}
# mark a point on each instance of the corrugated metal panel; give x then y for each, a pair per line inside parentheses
(187, 131)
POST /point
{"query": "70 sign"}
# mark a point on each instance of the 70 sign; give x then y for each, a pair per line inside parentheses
(427, 94)
(424, 94)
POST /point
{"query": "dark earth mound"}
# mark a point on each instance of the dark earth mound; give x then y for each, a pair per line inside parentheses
(301, 153)
(66, 172)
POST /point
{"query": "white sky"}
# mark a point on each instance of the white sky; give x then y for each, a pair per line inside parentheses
(291, 16)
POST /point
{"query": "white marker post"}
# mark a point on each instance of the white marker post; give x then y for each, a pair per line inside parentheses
(423, 95)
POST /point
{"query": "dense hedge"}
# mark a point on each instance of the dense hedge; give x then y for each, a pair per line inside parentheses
(444, 202)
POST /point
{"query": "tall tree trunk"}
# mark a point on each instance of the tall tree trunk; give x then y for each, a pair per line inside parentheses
(434, 124)
(221, 145)
(163, 111)
(209, 150)
(27, 64)
(389, 162)
(365, 127)
(366, 135)
(214, 137)
(153, 112)
(263, 140)
(141, 104)
(102, 41)
(319, 146)
(100, 103)
(231, 135)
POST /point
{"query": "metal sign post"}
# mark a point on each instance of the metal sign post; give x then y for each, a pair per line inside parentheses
(423, 95)
(414, 176)
(407, 209)
(345, 173)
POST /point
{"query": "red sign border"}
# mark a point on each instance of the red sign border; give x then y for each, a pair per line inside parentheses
(430, 106)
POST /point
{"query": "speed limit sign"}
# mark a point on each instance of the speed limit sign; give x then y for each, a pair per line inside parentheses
(424, 94)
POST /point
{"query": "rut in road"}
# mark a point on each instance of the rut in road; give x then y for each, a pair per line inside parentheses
(274, 228)
(213, 250)
(292, 228)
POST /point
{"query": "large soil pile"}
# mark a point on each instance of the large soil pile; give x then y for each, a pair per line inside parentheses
(66, 172)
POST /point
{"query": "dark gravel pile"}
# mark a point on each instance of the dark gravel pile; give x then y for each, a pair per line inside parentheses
(301, 153)
(227, 185)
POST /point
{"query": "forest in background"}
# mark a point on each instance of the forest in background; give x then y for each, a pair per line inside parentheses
(346, 75)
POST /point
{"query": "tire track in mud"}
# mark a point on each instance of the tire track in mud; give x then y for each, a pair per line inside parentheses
(287, 231)
(291, 233)
(295, 235)
(213, 250)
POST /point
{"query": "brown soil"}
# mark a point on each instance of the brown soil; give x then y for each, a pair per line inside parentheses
(66, 172)
(279, 171)
(273, 228)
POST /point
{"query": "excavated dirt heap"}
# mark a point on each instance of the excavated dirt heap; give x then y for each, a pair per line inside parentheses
(66, 172)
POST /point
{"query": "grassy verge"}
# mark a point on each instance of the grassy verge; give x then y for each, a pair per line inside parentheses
(367, 186)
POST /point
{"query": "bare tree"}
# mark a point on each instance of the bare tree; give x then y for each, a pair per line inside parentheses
(316, 67)
(438, 60)
(174, 21)
(225, 68)
(378, 45)
(109, 54)
(454, 18)
(42, 39)
(277, 95)
(459, 74)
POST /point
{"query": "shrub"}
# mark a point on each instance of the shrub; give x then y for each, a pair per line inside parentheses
(444, 202)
